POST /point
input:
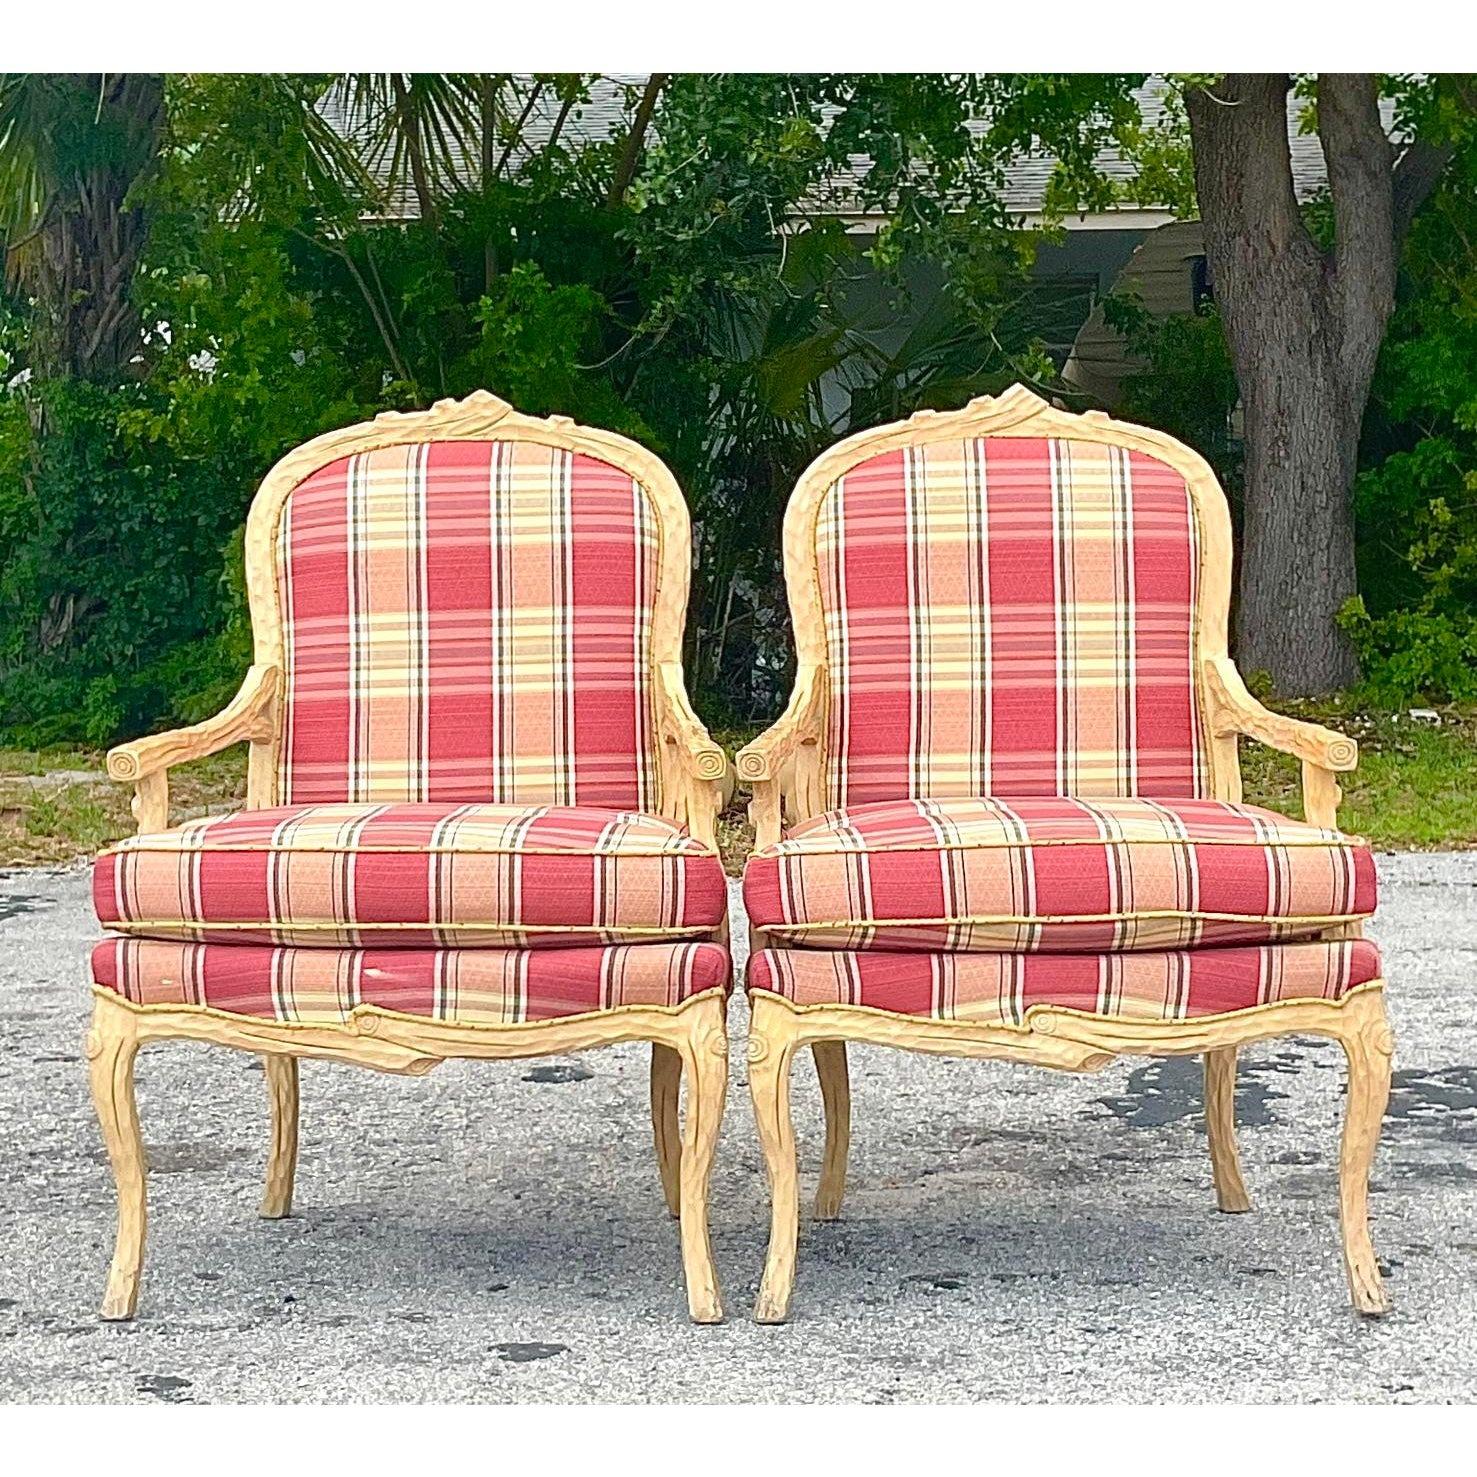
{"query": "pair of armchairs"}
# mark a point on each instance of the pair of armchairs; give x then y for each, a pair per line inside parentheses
(999, 818)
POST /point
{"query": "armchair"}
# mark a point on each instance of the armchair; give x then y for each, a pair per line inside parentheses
(480, 812)
(1001, 816)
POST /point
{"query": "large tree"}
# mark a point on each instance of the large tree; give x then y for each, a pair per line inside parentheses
(1304, 321)
(72, 148)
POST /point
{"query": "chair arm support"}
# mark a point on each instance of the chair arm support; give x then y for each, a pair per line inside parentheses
(771, 765)
(683, 730)
(697, 778)
(250, 715)
(1234, 710)
(760, 760)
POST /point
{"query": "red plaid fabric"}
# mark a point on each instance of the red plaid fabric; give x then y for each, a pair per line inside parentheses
(1011, 616)
(1002, 988)
(468, 621)
(413, 876)
(481, 986)
(1055, 874)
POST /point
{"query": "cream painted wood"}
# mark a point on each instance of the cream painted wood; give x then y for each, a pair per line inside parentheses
(786, 770)
(666, 1086)
(282, 1098)
(1220, 1129)
(112, 1046)
(704, 1052)
(695, 780)
(1072, 1041)
(831, 1068)
(389, 1042)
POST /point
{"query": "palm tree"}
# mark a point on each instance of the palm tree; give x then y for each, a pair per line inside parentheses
(72, 148)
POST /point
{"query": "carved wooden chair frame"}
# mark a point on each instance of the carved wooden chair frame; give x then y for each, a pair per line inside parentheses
(786, 769)
(693, 781)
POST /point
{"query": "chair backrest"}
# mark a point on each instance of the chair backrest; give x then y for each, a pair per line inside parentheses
(1010, 600)
(464, 606)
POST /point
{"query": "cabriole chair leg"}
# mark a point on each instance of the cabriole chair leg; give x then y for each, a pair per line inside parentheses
(830, 1066)
(112, 1045)
(771, 1051)
(1368, 1045)
(666, 1083)
(1220, 1129)
(282, 1095)
(704, 1057)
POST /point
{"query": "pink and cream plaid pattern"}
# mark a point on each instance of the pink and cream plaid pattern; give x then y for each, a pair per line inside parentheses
(478, 986)
(1011, 616)
(999, 989)
(413, 876)
(1055, 874)
(468, 620)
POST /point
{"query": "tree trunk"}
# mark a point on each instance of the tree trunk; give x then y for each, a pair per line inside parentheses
(1297, 544)
(408, 120)
(90, 239)
(1304, 327)
(630, 158)
(490, 89)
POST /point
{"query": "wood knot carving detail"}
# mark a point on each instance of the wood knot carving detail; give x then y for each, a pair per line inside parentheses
(752, 766)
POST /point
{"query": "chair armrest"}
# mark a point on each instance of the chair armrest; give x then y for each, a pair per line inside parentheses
(1324, 753)
(760, 759)
(1235, 710)
(697, 779)
(251, 714)
(768, 765)
(683, 730)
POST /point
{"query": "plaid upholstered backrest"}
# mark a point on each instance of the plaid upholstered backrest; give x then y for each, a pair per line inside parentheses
(468, 620)
(1010, 615)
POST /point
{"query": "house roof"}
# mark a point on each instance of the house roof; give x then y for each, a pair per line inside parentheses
(607, 111)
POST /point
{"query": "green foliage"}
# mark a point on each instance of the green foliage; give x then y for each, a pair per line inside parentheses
(111, 555)
(716, 307)
(1415, 624)
(1187, 386)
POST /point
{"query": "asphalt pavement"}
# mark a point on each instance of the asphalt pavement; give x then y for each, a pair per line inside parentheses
(495, 1231)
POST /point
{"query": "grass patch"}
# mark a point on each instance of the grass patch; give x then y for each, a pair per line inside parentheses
(1416, 785)
(58, 805)
(1415, 788)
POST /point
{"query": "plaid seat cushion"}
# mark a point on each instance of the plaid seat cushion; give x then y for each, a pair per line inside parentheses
(414, 876)
(481, 986)
(468, 620)
(1010, 616)
(1002, 988)
(1055, 874)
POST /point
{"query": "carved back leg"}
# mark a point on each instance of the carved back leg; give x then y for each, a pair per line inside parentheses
(1220, 1128)
(666, 1082)
(830, 1066)
(282, 1095)
(1368, 1045)
(112, 1045)
(771, 1051)
(704, 1057)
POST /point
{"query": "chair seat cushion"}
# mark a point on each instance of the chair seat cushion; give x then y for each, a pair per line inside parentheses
(475, 986)
(414, 876)
(1055, 874)
(995, 989)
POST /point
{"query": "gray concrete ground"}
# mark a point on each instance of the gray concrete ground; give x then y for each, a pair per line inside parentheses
(495, 1232)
